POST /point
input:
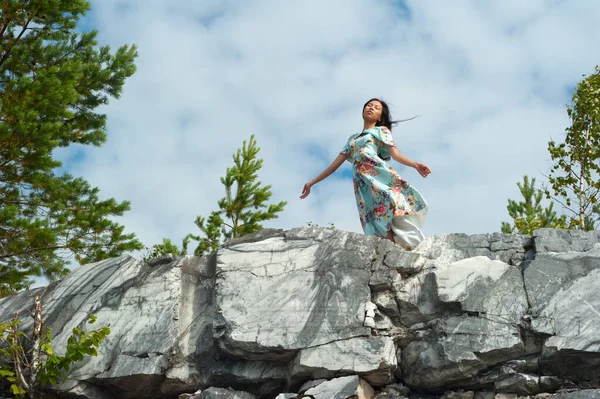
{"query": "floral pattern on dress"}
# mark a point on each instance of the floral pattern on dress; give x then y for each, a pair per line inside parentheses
(381, 193)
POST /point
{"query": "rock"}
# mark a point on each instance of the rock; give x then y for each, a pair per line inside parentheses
(194, 395)
(484, 395)
(393, 391)
(583, 394)
(398, 388)
(549, 384)
(222, 393)
(81, 389)
(276, 309)
(374, 358)
(458, 349)
(521, 384)
(554, 240)
(307, 291)
(342, 388)
(161, 260)
(475, 285)
(506, 396)
(458, 395)
(565, 305)
(482, 286)
(309, 384)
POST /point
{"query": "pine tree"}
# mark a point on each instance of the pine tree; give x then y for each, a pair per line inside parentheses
(244, 206)
(575, 177)
(52, 79)
(166, 247)
(529, 215)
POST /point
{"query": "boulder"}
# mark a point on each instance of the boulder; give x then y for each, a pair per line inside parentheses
(342, 388)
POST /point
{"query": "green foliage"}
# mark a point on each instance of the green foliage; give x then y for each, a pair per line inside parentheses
(575, 176)
(52, 368)
(329, 226)
(79, 345)
(166, 247)
(52, 79)
(244, 206)
(529, 215)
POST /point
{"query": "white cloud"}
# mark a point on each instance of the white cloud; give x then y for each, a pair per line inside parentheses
(489, 79)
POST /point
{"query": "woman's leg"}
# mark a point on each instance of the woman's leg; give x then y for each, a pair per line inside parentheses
(390, 236)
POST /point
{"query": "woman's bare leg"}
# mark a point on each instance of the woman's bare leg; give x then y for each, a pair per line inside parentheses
(390, 236)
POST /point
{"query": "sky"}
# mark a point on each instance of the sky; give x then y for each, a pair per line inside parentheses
(489, 81)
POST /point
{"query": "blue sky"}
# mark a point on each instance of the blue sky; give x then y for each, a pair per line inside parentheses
(489, 79)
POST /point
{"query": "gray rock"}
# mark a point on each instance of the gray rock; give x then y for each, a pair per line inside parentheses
(374, 358)
(287, 396)
(521, 384)
(554, 240)
(394, 391)
(458, 395)
(342, 388)
(195, 395)
(310, 384)
(457, 350)
(222, 393)
(280, 295)
(484, 395)
(278, 308)
(583, 394)
(549, 384)
(161, 260)
(476, 285)
(81, 389)
(506, 396)
(565, 302)
(489, 287)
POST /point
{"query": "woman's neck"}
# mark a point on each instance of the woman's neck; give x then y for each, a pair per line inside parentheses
(368, 125)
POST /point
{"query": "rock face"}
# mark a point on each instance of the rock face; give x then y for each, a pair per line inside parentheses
(325, 313)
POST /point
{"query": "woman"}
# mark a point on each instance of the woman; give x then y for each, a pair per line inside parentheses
(388, 206)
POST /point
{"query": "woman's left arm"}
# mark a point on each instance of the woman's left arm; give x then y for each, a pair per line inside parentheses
(404, 160)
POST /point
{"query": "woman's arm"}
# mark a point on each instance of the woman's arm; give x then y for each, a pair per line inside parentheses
(404, 160)
(324, 174)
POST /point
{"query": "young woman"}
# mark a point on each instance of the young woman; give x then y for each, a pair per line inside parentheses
(388, 206)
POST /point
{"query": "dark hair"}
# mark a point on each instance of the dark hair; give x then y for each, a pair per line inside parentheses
(386, 116)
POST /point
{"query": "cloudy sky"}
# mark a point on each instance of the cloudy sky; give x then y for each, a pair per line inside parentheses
(489, 80)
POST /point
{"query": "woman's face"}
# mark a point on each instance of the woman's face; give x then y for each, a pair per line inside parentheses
(372, 111)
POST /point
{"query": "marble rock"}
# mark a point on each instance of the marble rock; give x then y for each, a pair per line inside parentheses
(565, 301)
(521, 384)
(583, 394)
(342, 388)
(223, 393)
(283, 294)
(457, 350)
(556, 240)
(490, 288)
(373, 358)
(476, 285)
(276, 309)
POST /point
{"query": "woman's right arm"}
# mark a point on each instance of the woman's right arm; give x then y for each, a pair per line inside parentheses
(324, 174)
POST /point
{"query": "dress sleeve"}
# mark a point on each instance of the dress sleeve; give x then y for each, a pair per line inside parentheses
(384, 136)
(346, 150)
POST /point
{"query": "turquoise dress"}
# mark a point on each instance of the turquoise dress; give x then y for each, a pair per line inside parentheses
(385, 201)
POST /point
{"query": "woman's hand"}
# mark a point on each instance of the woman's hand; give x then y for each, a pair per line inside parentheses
(306, 190)
(422, 169)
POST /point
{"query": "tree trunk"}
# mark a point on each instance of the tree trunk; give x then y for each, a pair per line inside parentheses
(34, 392)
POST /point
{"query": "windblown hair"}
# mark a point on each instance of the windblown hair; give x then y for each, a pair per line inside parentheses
(386, 117)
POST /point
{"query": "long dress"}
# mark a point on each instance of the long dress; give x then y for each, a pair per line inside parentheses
(385, 201)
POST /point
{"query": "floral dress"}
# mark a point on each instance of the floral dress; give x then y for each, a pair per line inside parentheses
(385, 201)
